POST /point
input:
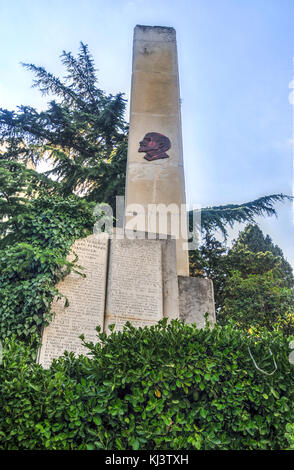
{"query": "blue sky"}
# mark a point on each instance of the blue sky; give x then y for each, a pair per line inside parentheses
(235, 61)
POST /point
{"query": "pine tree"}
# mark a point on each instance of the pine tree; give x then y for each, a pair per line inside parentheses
(253, 240)
(82, 134)
(220, 217)
(253, 282)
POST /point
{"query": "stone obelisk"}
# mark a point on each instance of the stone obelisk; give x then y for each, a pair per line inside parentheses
(137, 280)
(155, 173)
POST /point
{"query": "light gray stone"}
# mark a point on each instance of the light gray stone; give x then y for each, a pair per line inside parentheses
(142, 282)
(134, 289)
(196, 298)
(170, 279)
(86, 296)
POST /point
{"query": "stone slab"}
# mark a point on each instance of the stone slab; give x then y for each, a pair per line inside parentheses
(142, 282)
(195, 299)
(86, 296)
(170, 279)
(134, 289)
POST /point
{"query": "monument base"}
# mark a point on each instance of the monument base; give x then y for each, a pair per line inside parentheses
(125, 279)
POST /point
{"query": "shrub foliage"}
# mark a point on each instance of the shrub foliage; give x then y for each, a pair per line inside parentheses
(33, 260)
(160, 387)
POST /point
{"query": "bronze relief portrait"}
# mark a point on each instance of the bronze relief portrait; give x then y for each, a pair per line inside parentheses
(155, 145)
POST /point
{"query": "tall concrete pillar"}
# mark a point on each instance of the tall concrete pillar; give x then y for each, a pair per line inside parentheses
(155, 173)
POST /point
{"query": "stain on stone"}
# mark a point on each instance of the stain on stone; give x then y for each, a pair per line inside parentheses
(195, 299)
(147, 51)
(160, 29)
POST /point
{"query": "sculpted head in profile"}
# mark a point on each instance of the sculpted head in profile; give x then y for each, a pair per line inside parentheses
(155, 145)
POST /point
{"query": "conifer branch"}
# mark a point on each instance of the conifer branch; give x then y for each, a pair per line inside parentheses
(218, 217)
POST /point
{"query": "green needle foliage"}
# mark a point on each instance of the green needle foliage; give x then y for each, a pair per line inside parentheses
(220, 217)
(253, 282)
(82, 135)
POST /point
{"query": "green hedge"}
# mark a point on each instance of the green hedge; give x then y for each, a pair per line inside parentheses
(162, 387)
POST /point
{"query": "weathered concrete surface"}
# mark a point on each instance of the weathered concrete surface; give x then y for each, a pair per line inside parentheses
(170, 279)
(142, 282)
(196, 298)
(134, 288)
(155, 107)
(86, 296)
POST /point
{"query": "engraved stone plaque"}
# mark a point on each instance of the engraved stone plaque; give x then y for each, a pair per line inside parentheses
(135, 283)
(86, 296)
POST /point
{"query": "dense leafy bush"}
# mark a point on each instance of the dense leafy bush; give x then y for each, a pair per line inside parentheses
(33, 259)
(257, 300)
(253, 282)
(290, 435)
(162, 387)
